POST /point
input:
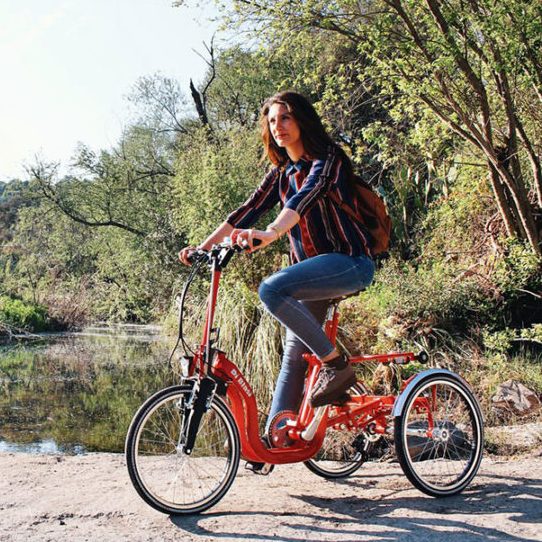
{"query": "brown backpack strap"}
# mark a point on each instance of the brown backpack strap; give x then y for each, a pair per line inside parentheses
(331, 157)
(344, 206)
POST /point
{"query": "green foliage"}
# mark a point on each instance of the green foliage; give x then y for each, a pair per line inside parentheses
(518, 269)
(410, 303)
(244, 79)
(13, 197)
(436, 288)
(213, 179)
(81, 273)
(18, 314)
(500, 342)
(458, 285)
(454, 226)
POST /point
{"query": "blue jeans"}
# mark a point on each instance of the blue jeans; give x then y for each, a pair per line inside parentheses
(298, 297)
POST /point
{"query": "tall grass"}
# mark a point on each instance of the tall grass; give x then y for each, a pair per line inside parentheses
(250, 336)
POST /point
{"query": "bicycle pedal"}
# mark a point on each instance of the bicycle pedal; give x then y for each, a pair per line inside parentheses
(263, 469)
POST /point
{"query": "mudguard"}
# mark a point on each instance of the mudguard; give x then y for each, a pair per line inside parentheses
(399, 404)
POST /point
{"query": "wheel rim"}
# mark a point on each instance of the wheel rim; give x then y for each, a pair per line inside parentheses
(441, 436)
(339, 451)
(168, 475)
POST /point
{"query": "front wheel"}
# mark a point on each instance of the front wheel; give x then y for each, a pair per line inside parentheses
(439, 436)
(164, 476)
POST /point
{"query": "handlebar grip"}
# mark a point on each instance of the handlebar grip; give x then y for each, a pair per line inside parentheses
(193, 256)
(255, 243)
(196, 254)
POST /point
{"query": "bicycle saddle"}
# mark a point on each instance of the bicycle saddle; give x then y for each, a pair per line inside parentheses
(337, 300)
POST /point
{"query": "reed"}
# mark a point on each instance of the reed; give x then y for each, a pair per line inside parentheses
(250, 336)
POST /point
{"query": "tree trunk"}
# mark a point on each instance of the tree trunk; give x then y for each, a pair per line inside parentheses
(202, 113)
(502, 203)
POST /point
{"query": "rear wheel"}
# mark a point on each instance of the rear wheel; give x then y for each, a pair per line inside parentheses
(164, 476)
(439, 436)
(343, 452)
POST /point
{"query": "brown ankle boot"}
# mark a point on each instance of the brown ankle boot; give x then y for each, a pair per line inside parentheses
(332, 383)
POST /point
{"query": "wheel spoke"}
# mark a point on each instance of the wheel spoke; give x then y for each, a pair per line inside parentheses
(447, 458)
(340, 453)
(166, 477)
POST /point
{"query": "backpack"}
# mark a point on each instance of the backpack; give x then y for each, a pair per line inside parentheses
(369, 210)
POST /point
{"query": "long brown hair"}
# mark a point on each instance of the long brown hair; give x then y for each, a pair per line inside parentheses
(314, 136)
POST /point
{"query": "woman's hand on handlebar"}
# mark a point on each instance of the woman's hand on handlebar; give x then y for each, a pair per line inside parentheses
(250, 238)
(185, 255)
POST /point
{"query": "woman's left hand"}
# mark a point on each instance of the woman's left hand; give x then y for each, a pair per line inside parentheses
(247, 237)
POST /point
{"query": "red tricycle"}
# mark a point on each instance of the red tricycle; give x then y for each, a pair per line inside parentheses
(185, 442)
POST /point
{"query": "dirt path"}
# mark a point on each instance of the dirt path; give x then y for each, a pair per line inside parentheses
(90, 498)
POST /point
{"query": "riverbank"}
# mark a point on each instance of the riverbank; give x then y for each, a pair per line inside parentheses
(90, 498)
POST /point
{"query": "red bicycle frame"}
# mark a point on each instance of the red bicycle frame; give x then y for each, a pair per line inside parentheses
(360, 412)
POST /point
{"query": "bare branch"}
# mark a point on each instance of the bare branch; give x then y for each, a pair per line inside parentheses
(43, 177)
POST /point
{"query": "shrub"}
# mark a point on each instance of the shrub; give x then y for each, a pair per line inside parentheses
(408, 305)
(518, 268)
(19, 314)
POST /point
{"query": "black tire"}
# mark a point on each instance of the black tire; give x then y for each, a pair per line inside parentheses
(169, 480)
(443, 461)
(342, 451)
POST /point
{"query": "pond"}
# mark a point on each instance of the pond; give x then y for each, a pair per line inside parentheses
(76, 393)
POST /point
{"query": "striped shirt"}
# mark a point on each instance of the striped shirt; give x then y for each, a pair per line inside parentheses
(303, 186)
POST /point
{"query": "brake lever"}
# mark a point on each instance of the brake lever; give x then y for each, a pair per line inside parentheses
(197, 255)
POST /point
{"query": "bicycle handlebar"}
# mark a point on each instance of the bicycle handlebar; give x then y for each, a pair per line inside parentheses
(215, 250)
(217, 257)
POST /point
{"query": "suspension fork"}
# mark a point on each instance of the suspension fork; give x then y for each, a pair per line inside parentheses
(198, 404)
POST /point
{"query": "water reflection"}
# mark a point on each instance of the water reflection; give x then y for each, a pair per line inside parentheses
(74, 393)
(47, 446)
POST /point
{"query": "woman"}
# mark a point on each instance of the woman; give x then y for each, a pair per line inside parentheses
(330, 253)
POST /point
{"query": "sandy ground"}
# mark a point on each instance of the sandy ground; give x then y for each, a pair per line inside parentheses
(91, 498)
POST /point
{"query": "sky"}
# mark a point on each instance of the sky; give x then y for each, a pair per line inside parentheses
(66, 67)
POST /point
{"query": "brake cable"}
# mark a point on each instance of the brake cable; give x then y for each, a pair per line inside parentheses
(193, 272)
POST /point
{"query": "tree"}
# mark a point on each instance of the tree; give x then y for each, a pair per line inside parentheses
(127, 187)
(456, 58)
(161, 106)
(241, 81)
(13, 197)
(476, 65)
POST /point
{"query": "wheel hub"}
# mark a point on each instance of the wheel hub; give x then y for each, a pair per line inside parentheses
(441, 435)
